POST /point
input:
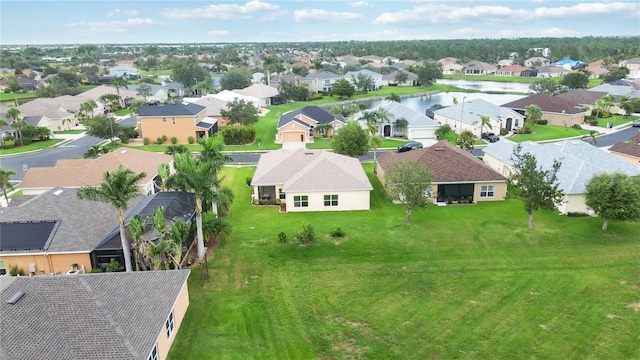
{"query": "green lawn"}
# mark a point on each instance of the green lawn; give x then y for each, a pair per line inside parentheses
(452, 138)
(36, 145)
(76, 131)
(517, 79)
(461, 282)
(10, 97)
(616, 120)
(549, 132)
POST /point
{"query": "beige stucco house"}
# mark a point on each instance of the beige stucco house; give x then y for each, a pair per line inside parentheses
(301, 126)
(180, 119)
(311, 180)
(556, 110)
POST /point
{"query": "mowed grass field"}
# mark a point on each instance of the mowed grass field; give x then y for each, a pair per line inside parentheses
(460, 282)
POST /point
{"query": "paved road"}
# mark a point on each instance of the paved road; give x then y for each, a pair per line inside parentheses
(616, 137)
(72, 150)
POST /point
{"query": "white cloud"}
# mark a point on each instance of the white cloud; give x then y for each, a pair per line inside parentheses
(117, 26)
(220, 12)
(324, 15)
(218, 32)
(442, 13)
(273, 15)
(361, 3)
(123, 12)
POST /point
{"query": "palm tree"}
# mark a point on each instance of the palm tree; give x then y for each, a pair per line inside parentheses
(67, 121)
(17, 123)
(455, 100)
(212, 153)
(485, 121)
(370, 118)
(118, 188)
(88, 107)
(400, 125)
(603, 104)
(223, 199)
(5, 182)
(215, 227)
(120, 82)
(375, 142)
(95, 151)
(193, 175)
(465, 140)
(532, 115)
(164, 171)
(592, 137)
(393, 97)
(177, 236)
(135, 230)
(383, 116)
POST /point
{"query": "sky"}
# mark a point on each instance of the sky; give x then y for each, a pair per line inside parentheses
(224, 21)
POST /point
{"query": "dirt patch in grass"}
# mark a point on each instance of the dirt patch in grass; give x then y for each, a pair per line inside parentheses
(634, 306)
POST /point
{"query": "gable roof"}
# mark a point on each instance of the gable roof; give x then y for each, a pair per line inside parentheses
(447, 163)
(514, 67)
(367, 72)
(474, 109)
(60, 107)
(79, 224)
(475, 64)
(580, 161)
(320, 115)
(214, 106)
(392, 75)
(630, 148)
(92, 316)
(322, 75)
(620, 87)
(414, 118)
(261, 91)
(582, 96)
(309, 170)
(81, 172)
(546, 103)
(98, 91)
(177, 108)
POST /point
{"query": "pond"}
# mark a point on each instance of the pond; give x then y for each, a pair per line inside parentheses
(422, 103)
(487, 85)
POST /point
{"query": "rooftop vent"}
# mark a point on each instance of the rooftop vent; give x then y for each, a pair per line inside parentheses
(439, 149)
(15, 297)
(185, 103)
(123, 152)
(308, 153)
(58, 192)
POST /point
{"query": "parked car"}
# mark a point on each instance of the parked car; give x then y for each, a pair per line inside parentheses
(409, 146)
(636, 123)
(490, 137)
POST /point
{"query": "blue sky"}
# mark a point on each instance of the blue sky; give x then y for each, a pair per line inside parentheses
(74, 22)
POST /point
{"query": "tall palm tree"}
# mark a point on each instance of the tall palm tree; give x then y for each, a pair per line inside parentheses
(383, 116)
(193, 175)
(164, 171)
(212, 153)
(485, 121)
(400, 124)
(532, 114)
(118, 188)
(177, 236)
(120, 82)
(17, 122)
(88, 107)
(375, 142)
(135, 230)
(370, 118)
(215, 228)
(5, 182)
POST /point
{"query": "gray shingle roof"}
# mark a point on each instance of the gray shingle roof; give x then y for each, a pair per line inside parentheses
(323, 75)
(308, 170)
(316, 113)
(414, 118)
(474, 110)
(175, 109)
(92, 316)
(82, 223)
(580, 161)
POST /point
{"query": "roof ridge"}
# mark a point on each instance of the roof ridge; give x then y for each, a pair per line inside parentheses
(109, 317)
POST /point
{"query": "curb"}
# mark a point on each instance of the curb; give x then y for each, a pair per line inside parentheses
(61, 143)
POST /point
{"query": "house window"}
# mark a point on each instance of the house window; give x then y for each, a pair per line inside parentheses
(3, 270)
(487, 191)
(173, 121)
(169, 325)
(154, 353)
(283, 196)
(164, 119)
(331, 200)
(327, 81)
(517, 122)
(301, 201)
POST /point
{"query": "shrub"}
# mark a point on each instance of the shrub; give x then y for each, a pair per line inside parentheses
(442, 131)
(282, 237)
(238, 135)
(159, 141)
(114, 266)
(8, 143)
(525, 130)
(176, 149)
(576, 214)
(145, 141)
(164, 138)
(174, 140)
(578, 127)
(269, 202)
(15, 270)
(306, 235)
(124, 139)
(96, 270)
(248, 181)
(541, 122)
(337, 232)
(191, 140)
(593, 122)
(588, 118)
(504, 131)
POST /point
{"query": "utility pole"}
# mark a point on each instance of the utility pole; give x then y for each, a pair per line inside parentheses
(462, 113)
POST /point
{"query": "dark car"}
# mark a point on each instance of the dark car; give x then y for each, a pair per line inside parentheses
(409, 146)
(490, 137)
(636, 123)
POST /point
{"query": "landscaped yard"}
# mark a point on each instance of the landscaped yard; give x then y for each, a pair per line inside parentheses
(616, 120)
(70, 132)
(36, 145)
(518, 79)
(461, 282)
(549, 132)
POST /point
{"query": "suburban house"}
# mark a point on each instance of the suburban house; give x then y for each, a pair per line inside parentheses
(25, 84)
(160, 92)
(322, 81)
(628, 150)
(457, 174)
(390, 79)
(53, 113)
(511, 70)
(261, 91)
(298, 127)
(311, 180)
(92, 316)
(619, 88)
(557, 111)
(95, 94)
(180, 119)
(297, 80)
(231, 96)
(467, 115)
(549, 71)
(479, 68)
(419, 127)
(448, 61)
(74, 173)
(352, 77)
(569, 64)
(54, 232)
(536, 62)
(214, 108)
(582, 97)
(633, 65)
(452, 69)
(125, 71)
(580, 162)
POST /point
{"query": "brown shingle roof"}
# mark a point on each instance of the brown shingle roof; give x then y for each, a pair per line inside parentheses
(81, 172)
(582, 96)
(630, 148)
(447, 163)
(546, 103)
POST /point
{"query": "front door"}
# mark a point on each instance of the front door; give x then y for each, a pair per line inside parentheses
(508, 126)
(387, 130)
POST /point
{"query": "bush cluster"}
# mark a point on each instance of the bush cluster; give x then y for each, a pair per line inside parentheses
(191, 140)
(238, 135)
(541, 122)
(578, 127)
(174, 140)
(145, 141)
(306, 235)
(337, 232)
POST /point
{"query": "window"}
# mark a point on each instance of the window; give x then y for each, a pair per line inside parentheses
(517, 122)
(154, 353)
(3, 270)
(169, 325)
(331, 200)
(173, 121)
(327, 81)
(301, 201)
(164, 119)
(283, 196)
(487, 191)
